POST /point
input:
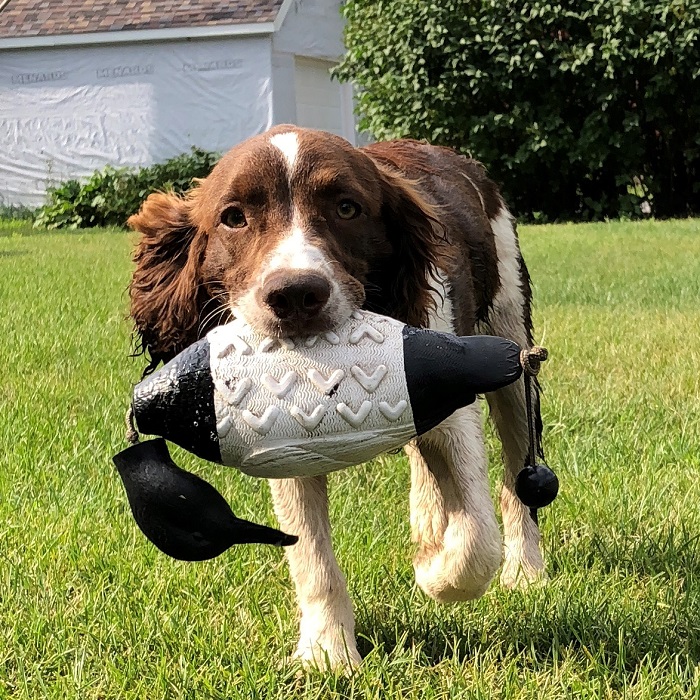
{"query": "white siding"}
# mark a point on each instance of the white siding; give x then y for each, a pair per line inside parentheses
(67, 111)
(322, 103)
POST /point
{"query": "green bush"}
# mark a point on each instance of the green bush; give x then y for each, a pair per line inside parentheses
(111, 195)
(581, 109)
(15, 212)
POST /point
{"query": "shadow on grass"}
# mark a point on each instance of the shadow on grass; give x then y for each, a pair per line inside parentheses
(673, 551)
(602, 618)
(13, 253)
(536, 643)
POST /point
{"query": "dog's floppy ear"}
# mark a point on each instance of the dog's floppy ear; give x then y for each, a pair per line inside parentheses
(419, 247)
(166, 295)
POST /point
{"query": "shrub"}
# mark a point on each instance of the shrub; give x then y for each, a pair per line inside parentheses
(15, 212)
(581, 109)
(111, 195)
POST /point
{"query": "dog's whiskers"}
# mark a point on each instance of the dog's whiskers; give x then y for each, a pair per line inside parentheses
(221, 309)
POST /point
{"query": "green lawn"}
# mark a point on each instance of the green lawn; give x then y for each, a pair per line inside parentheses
(89, 609)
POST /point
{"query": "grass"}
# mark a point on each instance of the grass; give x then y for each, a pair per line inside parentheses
(89, 609)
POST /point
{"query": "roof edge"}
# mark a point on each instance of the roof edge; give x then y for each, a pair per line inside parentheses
(139, 35)
(282, 13)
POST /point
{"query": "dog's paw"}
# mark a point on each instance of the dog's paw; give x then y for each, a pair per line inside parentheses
(328, 653)
(523, 565)
(461, 571)
(517, 575)
(436, 583)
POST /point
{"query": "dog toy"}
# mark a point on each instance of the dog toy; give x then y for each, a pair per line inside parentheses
(183, 515)
(280, 408)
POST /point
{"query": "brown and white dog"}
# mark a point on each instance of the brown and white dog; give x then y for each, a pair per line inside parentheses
(294, 229)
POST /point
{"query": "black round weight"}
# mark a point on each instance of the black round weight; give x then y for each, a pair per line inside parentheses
(537, 486)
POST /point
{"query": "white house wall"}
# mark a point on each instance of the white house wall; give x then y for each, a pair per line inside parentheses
(311, 28)
(66, 111)
(308, 43)
(283, 76)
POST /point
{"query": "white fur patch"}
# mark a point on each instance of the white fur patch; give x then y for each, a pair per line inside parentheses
(523, 560)
(508, 254)
(288, 143)
(442, 318)
(296, 253)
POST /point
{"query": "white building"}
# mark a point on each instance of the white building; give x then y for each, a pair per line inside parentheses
(86, 83)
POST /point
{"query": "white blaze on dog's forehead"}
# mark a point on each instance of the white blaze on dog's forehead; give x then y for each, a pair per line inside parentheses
(296, 253)
(288, 143)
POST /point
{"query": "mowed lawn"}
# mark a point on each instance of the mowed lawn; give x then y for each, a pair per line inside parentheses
(89, 609)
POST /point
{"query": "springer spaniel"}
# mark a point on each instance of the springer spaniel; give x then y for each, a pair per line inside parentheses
(292, 230)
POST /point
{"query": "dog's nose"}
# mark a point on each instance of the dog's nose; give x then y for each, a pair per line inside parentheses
(300, 295)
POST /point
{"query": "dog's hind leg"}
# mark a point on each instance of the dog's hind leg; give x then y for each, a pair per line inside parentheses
(327, 626)
(453, 521)
(510, 318)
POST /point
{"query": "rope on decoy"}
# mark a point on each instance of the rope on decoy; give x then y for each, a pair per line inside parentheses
(132, 435)
(531, 360)
(536, 485)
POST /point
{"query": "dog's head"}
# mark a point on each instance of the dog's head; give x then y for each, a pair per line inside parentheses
(292, 230)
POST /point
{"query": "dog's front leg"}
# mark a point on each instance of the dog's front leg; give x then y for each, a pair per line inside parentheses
(327, 628)
(453, 520)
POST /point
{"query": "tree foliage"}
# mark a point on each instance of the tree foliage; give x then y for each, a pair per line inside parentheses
(581, 109)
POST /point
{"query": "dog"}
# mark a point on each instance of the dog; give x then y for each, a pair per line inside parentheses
(293, 230)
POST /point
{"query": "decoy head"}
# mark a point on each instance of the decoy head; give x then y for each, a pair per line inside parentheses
(183, 515)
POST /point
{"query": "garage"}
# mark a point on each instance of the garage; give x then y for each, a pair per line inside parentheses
(91, 83)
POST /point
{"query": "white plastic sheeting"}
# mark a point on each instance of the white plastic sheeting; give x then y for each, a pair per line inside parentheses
(66, 112)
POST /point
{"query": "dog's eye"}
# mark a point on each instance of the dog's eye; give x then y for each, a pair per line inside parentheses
(233, 217)
(348, 209)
